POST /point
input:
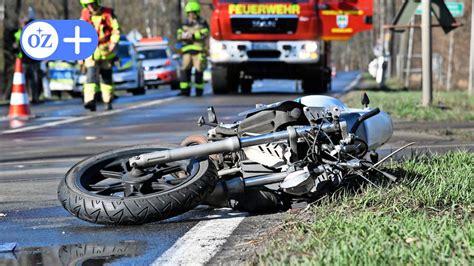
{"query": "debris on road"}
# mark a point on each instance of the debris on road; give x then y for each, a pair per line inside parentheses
(3, 214)
(7, 247)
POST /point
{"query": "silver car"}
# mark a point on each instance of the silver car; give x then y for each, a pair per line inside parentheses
(160, 67)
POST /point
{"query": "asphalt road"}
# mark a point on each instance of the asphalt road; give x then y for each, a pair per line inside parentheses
(36, 155)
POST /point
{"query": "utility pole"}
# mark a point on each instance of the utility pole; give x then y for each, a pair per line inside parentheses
(426, 43)
(66, 9)
(410, 54)
(450, 61)
(2, 44)
(471, 65)
(402, 55)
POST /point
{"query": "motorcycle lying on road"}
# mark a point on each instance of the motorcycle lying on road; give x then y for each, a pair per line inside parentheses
(278, 153)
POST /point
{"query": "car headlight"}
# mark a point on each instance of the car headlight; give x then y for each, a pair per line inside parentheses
(310, 47)
(308, 55)
(223, 55)
(217, 46)
(218, 50)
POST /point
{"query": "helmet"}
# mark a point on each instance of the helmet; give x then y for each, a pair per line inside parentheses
(192, 6)
(84, 3)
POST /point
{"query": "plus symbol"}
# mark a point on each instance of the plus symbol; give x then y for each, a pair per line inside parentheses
(77, 40)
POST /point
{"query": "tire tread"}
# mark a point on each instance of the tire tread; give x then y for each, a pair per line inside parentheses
(136, 210)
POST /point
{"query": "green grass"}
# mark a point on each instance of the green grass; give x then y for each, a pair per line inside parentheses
(425, 219)
(406, 105)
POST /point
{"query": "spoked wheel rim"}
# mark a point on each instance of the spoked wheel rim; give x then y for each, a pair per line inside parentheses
(114, 178)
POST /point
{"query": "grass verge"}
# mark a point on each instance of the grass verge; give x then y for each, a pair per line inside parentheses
(406, 105)
(425, 219)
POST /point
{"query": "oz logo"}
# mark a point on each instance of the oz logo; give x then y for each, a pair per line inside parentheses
(59, 40)
(39, 40)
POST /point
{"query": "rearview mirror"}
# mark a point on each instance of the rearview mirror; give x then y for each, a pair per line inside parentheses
(175, 56)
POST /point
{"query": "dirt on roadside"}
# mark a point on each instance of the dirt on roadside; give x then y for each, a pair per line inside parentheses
(433, 133)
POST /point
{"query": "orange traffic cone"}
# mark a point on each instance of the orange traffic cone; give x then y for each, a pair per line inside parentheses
(19, 103)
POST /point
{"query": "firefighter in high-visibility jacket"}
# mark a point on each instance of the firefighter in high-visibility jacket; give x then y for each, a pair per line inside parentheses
(101, 61)
(193, 34)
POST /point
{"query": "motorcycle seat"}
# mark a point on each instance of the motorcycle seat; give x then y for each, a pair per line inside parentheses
(321, 101)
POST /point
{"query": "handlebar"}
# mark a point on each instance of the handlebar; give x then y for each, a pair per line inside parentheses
(364, 117)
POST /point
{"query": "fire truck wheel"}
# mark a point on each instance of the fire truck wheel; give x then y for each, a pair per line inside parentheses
(246, 86)
(314, 86)
(175, 85)
(224, 80)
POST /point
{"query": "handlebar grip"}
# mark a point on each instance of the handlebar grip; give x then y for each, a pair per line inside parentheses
(364, 117)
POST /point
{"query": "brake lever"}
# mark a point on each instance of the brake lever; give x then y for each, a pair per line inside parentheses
(202, 122)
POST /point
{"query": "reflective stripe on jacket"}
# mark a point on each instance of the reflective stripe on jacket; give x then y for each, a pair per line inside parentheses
(199, 31)
(108, 31)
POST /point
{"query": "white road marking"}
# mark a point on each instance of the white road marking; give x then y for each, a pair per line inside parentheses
(353, 83)
(347, 88)
(202, 242)
(56, 171)
(77, 119)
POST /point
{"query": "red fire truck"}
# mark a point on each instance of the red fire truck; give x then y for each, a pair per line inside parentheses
(280, 39)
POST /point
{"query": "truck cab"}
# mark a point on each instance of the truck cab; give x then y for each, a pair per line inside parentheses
(278, 39)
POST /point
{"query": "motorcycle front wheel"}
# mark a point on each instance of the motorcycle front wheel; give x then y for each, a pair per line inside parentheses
(104, 189)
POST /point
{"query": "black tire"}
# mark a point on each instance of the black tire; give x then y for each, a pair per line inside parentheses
(141, 90)
(138, 91)
(224, 80)
(246, 86)
(315, 86)
(133, 210)
(58, 94)
(174, 85)
(75, 94)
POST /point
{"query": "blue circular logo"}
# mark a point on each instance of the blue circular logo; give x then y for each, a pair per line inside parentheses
(59, 40)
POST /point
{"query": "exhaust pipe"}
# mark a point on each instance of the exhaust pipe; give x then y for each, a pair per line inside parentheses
(226, 189)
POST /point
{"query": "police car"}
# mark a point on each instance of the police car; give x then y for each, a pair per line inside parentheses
(127, 70)
(128, 73)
